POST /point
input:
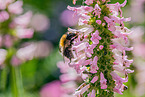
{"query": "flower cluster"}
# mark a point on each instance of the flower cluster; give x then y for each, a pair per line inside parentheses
(13, 27)
(100, 49)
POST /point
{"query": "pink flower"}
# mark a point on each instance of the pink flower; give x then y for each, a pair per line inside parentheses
(94, 79)
(103, 81)
(95, 37)
(94, 67)
(121, 45)
(15, 61)
(101, 47)
(111, 23)
(116, 8)
(16, 8)
(40, 22)
(119, 81)
(68, 18)
(103, 0)
(4, 3)
(81, 91)
(97, 10)
(82, 13)
(24, 33)
(4, 16)
(98, 22)
(52, 89)
(88, 2)
(8, 40)
(23, 20)
(90, 48)
(92, 94)
(139, 50)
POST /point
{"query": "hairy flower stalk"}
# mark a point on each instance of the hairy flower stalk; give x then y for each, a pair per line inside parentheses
(100, 49)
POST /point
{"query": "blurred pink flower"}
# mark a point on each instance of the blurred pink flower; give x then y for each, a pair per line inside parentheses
(1, 40)
(24, 32)
(52, 89)
(139, 50)
(3, 54)
(34, 49)
(23, 20)
(68, 18)
(4, 16)
(92, 94)
(137, 34)
(16, 7)
(137, 11)
(15, 61)
(4, 3)
(40, 22)
(8, 40)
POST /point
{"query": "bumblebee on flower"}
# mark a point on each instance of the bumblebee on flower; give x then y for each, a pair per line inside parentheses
(100, 54)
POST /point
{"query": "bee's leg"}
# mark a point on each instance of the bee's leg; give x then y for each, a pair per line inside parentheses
(72, 40)
(69, 61)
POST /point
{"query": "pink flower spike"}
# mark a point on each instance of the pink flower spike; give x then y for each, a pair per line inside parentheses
(94, 79)
(101, 47)
(88, 2)
(103, 81)
(98, 21)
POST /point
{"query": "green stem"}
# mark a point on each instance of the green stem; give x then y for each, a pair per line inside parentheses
(3, 77)
(16, 82)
